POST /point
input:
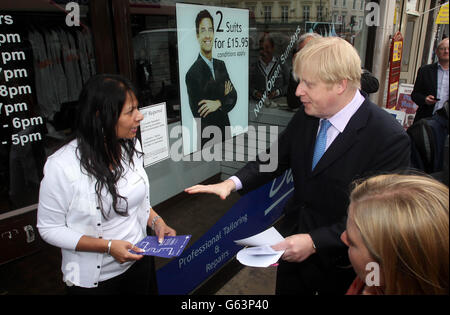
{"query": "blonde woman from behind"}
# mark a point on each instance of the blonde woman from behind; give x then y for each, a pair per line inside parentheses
(397, 234)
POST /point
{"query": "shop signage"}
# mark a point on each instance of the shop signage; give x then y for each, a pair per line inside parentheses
(154, 134)
(395, 62)
(397, 114)
(227, 40)
(22, 124)
(442, 17)
(252, 214)
(406, 104)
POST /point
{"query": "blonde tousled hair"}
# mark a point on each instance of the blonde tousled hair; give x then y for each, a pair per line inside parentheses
(329, 59)
(404, 223)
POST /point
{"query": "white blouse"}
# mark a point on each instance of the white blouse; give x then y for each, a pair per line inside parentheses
(68, 210)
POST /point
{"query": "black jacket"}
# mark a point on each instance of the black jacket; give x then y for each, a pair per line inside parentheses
(372, 142)
(426, 84)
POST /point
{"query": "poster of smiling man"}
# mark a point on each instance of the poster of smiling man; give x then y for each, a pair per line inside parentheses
(213, 49)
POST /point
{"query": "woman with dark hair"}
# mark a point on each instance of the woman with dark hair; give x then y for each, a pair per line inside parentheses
(94, 198)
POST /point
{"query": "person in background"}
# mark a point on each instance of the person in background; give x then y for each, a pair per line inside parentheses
(397, 235)
(369, 83)
(336, 137)
(431, 87)
(94, 198)
(268, 67)
(409, 120)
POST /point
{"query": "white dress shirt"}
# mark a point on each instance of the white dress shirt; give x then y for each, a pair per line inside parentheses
(210, 65)
(442, 88)
(68, 209)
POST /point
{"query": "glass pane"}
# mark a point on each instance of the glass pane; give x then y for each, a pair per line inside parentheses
(44, 64)
(155, 56)
(155, 38)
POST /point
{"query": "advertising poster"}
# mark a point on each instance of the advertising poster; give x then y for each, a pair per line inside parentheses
(154, 134)
(213, 54)
(406, 104)
(399, 115)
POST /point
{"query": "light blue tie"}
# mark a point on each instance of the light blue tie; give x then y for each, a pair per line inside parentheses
(321, 142)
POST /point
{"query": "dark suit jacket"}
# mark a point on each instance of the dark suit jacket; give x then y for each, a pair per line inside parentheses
(202, 86)
(372, 142)
(426, 84)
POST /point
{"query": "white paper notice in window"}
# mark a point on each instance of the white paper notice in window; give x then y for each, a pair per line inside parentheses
(154, 134)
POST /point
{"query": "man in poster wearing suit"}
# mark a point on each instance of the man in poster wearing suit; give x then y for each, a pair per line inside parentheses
(431, 87)
(338, 136)
(211, 93)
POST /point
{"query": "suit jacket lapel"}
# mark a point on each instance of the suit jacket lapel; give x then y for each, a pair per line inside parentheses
(345, 140)
(434, 77)
(205, 69)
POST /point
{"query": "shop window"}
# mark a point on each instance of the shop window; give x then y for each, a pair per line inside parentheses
(155, 56)
(319, 13)
(408, 43)
(285, 14)
(154, 39)
(43, 68)
(267, 13)
(306, 13)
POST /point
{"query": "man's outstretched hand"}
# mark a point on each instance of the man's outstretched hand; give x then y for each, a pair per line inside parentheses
(222, 189)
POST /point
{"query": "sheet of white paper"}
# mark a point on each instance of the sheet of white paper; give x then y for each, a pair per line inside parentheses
(154, 134)
(262, 255)
(261, 250)
(269, 237)
(247, 259)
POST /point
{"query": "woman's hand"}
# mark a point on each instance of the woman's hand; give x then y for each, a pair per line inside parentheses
(162, 229)
(120, 251)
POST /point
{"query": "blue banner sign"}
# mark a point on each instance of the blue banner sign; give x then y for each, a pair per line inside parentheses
(252, 214)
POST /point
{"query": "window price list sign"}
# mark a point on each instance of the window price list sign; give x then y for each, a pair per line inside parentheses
(21, 122)
(14, 107)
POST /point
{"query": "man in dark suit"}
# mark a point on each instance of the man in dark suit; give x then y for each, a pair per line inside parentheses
(431, 87)
(267, 68)
(211, 93)
(338, 136)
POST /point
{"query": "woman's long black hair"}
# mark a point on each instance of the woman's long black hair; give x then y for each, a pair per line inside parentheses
(99, 150)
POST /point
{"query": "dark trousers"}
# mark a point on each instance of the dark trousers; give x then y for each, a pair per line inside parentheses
(311, 277)
(139, 279)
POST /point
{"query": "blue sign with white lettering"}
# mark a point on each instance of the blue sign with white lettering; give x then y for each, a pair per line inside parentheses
(252, 214)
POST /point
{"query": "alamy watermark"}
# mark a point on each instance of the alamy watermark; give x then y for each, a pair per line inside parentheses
(372, 17)
(215, 149)
(373, 276)
(73, 14)
(249, 144)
